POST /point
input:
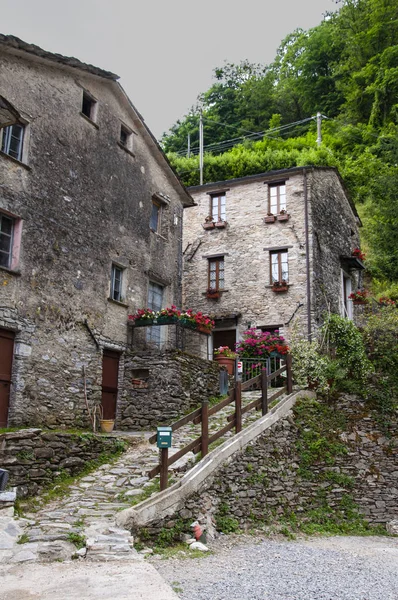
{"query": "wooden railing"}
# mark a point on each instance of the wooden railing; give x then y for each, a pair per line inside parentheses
(234, 421)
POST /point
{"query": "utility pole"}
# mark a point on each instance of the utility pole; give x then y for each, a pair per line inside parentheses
(319, 128)
(201, 147)
(189, 145)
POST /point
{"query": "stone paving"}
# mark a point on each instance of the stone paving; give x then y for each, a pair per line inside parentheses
(88, 510)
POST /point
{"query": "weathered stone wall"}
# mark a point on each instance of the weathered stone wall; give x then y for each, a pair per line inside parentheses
(34, 458)
(158, 389)
(85, 202)
(334, 233)
(246, 241)
(264, 482)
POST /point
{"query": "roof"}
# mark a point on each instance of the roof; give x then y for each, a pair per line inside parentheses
(15, 43)
(273, 175)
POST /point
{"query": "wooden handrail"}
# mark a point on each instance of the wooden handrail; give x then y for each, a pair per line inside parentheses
(202, 414)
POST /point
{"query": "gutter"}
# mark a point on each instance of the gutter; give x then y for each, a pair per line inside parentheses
(307, 256)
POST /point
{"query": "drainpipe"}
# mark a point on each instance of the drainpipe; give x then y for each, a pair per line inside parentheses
(307, 256)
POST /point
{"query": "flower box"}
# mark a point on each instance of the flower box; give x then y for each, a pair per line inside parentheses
(210, 225)
(360, 302)
(280, 288)
(221, 224)
(283, 217)
(143, 322)
(213, 295)
(269, 219)
(166, 320)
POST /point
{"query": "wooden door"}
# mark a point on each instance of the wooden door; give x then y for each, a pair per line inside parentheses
(224, 338)
(6, 354)
(110, 374)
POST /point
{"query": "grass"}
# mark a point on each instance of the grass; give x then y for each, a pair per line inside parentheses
(181, 551)
(77, 539)
(23, 539)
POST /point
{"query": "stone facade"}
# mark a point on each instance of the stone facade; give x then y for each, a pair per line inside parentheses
(174, 383)
(264, 482)
(320, 228)
(80, 199)
(35, 458)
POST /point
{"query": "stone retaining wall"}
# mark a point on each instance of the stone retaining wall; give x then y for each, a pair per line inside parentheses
(34, 457)
(159, 388)
(265, 481)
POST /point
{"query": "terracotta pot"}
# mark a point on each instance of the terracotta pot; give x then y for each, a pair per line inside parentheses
(203, 329)
(208, 225)
(282, 288)
(229, 363)
(269, 219)
(214, 296)
(107, 425)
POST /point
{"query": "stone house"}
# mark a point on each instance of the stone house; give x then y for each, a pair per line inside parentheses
(90, 230)
(272, 251)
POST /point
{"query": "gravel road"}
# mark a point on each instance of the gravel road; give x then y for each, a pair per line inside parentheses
(247, 568)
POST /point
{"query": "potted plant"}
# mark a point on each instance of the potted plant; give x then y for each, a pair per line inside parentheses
(226, 358)
(212, 293)
(357, 252)
(359, 297)
(280, 286)
(283, 215)
(209, 222)
(270, 218)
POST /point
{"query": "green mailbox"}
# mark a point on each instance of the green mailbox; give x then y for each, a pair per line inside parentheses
(164, 437)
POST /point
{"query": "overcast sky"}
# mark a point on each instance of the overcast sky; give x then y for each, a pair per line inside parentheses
(163, 50)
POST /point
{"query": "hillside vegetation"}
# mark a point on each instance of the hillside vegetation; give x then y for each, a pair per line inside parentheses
(258, 118)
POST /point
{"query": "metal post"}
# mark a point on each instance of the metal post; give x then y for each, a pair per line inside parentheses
(201, 148)
(264, 392)
(289, 373)
(238, 406)
(164, 458)
(319, 128)
(205, 427)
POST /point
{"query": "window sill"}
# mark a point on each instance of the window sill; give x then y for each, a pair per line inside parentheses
(11, 271)
(15, 160)
(280, 290)
(126, 149)
(86, 118)
(118, 302)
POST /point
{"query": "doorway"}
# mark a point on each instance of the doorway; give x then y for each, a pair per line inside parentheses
(224, 338)
(6, 354)
(110, 376)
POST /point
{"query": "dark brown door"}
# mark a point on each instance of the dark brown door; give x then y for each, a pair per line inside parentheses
(110, 373)
(224, 338)
(6, 354)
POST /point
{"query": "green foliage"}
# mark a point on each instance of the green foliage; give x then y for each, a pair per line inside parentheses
(77, 539)
(23, 539)
(343, 340)
(308, 366)
(169, 536)
(227, 524)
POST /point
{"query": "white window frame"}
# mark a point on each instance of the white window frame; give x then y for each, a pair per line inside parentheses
(116, 283)
(277, 197)
(156, 294)
(346, 306)
(7, 136)
(218, 207)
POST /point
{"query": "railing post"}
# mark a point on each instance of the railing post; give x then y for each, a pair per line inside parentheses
(164, 458)
(205, 428)
(289, 373)
(238, 406)
(264, 392)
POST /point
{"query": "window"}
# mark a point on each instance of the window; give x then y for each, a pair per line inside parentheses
(279, 267)
(216, 273)
(12, 141)
(217, 207)
(277, 197)
(6, 240)
(155, 302)
(126, 138)
(116, 283)
(89, 106)
(155, 216)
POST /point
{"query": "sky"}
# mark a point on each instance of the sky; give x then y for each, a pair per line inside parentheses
(164, 51)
